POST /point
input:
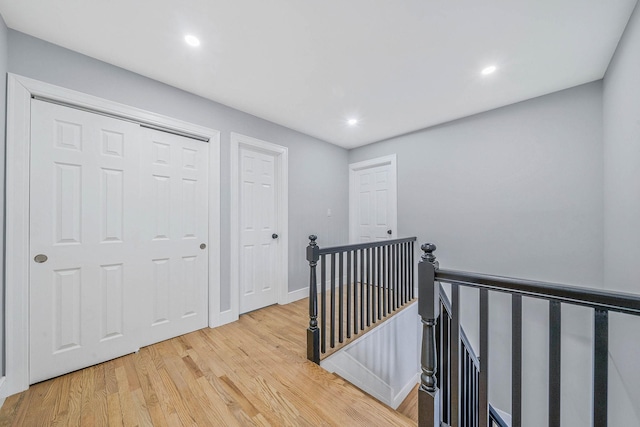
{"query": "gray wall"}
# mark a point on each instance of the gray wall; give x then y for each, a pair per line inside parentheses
(507, 191)
(317, 170)
(622, 216)
(3, 92)
(518, 192)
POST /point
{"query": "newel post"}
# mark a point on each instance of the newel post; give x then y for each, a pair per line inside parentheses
(427, 302)
(313, 333)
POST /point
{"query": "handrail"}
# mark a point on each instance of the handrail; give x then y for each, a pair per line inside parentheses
(608, 300)
(429, 284)
(358, 246)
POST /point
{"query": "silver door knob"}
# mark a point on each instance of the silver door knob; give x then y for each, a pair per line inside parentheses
(274, 236)
(202, 246)
(40, 258)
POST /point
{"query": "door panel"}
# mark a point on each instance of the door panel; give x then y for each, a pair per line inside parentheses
(81, 220)
(258, 248)
(174, 219)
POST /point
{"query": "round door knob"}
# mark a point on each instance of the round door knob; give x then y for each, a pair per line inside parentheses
(202, 246)
(389, 232)
(274, 236)
(40, 258)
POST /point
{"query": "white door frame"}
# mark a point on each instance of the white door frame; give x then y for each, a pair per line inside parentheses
(393, 196)
(282, 179)
(19, 92)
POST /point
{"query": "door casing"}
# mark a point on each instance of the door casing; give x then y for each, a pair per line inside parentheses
(282, 180)
(19, 93)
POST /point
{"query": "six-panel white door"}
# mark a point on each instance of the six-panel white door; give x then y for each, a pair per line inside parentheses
(259, 237)
(121, 213)
(373, 202)
(173, 220)
(82, 199)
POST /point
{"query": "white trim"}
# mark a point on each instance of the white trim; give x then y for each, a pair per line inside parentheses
(2, 383)
(19, 92)
(294, 296)
(282, 157)
(390, 160)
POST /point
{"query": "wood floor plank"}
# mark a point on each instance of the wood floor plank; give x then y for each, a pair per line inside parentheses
(252, 372)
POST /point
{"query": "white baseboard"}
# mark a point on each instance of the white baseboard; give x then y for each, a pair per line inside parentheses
(2, 396)
(297, 295)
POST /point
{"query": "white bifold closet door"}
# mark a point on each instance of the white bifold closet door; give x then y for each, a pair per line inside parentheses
(117, 217)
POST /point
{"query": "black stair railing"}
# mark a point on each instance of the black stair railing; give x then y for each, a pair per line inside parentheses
(360, 285)
(441, 344)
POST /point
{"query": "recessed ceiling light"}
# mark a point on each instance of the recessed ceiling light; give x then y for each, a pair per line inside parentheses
(192, 40)
(352, 122)
(490, 69)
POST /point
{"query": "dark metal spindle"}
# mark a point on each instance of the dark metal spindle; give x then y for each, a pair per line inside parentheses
(445, 363)
(412, 278)
(340, 298)
(349, 294)
(368, 288)
(555, 327)
(398, 284)
(373, 285)
(455, 354)
(362, 279)
(394, 277)
(390, 274)
(378, 284)
(385, 284)
(483, 384)
(600, 367)
(401, 272)
(332, 320)
(355, 291)
(405, 271)
(323, 302)
(516, 360)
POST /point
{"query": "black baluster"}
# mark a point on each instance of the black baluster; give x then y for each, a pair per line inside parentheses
(355, 291)
(554, 362)
(323, 303)
(384, 280)
(340, 299)
(332, 321)
(600, 367)
(411, 268)
(378, 283)
(368, 287)
(348, 254)
(362, 285)
(374, 281)
(516, 360)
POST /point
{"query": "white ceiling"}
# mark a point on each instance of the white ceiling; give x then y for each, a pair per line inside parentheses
(397, 66)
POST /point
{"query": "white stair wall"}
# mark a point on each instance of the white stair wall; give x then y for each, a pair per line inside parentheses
(384, 362)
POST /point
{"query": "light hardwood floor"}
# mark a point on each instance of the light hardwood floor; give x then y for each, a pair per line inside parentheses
(251, 372)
